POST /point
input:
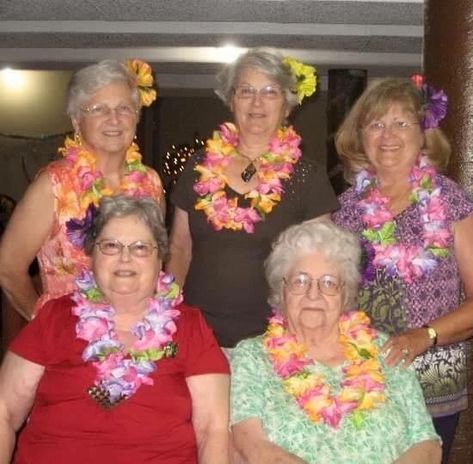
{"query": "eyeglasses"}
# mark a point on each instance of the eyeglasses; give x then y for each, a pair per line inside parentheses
(302, 283)
(139, 249)
(270, 92)
(102, 110)
(398, 126)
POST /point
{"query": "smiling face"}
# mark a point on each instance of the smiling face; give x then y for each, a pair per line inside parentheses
(110, 134)
(390, 147)
(312, 310)
(258, 115)
(124, 276)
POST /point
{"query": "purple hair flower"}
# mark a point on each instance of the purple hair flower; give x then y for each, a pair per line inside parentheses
(76, 229)
(435, 106)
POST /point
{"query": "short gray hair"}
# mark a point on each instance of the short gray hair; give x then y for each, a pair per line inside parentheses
(265, 60)
(86, 81)
(338, 246)
(119, 206)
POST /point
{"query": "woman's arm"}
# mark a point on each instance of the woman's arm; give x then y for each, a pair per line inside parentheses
(210, 416)
(453, 327)
(180, 246)
(426, 452)
(253, 445)
(26, 232)
(18, 381)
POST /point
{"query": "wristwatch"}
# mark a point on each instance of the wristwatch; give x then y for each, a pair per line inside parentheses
(432, 333)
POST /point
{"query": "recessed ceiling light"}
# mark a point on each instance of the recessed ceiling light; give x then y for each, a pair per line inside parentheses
(12, 78)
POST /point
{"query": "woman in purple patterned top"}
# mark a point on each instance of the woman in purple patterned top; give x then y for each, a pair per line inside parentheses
(416, 227)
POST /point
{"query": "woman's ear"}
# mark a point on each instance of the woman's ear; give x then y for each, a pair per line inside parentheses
(75, 125)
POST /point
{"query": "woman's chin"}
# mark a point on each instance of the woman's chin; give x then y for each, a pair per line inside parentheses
(313, 318)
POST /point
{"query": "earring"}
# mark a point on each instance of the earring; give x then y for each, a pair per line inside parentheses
(77, 138)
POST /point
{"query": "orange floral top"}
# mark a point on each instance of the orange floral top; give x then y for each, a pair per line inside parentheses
(59, 259)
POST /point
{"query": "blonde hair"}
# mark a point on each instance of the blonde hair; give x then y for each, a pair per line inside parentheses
(374, 103)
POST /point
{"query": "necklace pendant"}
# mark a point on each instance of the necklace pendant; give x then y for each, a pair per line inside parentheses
(248, 172)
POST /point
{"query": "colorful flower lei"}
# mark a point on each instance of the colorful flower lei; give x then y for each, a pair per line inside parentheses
(306, 78)
(121, 371)
(144, 80)
(407, 261)
(362, 387)
(275, 165)
(87, 186)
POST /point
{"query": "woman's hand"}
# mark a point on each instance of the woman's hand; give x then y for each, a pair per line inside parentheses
(405, 347)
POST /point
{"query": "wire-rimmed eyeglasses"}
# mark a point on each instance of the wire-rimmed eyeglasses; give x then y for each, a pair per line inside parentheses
(139, 249)
(301, 284)
(269, 92)
(398, 126)
(102, 110)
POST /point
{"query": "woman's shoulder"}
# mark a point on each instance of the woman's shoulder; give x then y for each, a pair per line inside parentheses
(56, 311)
(458, 201)
(248, 350)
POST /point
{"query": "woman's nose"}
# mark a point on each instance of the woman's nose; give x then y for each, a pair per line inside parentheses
(125, 254)
(313, 291)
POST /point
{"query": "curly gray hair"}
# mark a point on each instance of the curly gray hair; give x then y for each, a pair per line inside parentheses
(86, 81)
(119, 206)
(340, 247)
(265, 60)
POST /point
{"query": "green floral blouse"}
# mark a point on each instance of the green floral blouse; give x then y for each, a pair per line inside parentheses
(384, 435)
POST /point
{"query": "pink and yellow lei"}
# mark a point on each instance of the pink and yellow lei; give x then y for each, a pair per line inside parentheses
(362, 387)
(275, 165)
(407, 261)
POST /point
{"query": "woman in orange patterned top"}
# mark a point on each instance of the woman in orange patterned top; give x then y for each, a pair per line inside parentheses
(104, 102)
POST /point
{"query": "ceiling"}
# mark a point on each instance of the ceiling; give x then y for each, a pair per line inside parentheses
(183, 38)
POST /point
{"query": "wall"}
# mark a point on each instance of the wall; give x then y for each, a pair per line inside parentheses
(31, 114)
(179, 118)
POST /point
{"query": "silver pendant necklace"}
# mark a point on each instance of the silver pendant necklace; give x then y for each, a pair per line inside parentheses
(250, 170)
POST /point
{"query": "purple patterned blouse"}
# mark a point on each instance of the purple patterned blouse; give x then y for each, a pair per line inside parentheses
(395, 305)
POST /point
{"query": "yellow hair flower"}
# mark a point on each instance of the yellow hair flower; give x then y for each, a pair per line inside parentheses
(144, 80)
(306, 78)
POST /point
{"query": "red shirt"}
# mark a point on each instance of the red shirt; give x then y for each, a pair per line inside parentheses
(153, 426)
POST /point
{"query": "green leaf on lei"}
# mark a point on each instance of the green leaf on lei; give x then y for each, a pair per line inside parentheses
(383, 236)
(426, 183)
(358, 419)
(174, 290)
(94, 294)
(439, 252)
(105, 352)
(362, 352)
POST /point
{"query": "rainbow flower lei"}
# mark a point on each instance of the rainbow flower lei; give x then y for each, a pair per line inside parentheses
(275, 165)
(86, 185)
(362, 387)
(407, 261)
(121, 371)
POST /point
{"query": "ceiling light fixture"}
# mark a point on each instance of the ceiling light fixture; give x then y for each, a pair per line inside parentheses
(12, 78)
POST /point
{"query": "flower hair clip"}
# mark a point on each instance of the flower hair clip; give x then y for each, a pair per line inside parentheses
(435, 106)
(306, 78)
(435, 102)
(144, 80)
